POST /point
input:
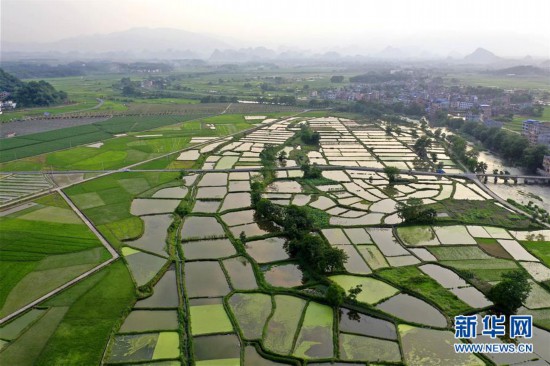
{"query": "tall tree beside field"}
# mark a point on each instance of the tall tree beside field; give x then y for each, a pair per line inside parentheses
(510, 293)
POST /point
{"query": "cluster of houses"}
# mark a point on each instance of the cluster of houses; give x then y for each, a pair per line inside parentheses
(434, 96)
(6, 104)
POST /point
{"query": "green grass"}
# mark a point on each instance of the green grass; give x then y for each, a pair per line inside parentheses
(251, 312)
(501, 81)
(29, 240)
(115, 192)
(540, 249)
(59, 149)
(84, 331)
(208, 319)
(167, 346)
(12, 273)
(458, 252)
(412, 279)
(27, 348)
(373, 290)
(41, 248)
(320, 218)
(417, 235)
(39, 283)
(45, 142)
(52, 214)
(479, 213)
(281, 327)
(486, 270)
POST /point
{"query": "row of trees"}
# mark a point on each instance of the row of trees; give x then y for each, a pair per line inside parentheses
(310, 250)
(509, 145)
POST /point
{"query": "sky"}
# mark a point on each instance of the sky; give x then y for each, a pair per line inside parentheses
(506, 27)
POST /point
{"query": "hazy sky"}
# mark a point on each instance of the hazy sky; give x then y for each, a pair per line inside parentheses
(302, 23)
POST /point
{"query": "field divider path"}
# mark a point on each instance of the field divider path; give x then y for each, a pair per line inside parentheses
(88, 223)
(104, 242)
(502, 201)
(56, 290)
(114, 254)
(103, 173)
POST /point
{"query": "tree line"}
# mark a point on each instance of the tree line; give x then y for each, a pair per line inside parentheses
(514, 148)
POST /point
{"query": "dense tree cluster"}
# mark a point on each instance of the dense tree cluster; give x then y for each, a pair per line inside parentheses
(379, 110)
(422, 145)
(311, 171)
(509, 145)
(414, 211)
(308, 136)
(309, 249)
(31, 94)
(9, 82)
(319, 255)
(392, 173)
(510, 293)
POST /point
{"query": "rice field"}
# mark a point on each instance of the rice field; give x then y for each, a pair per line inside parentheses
(218, 286)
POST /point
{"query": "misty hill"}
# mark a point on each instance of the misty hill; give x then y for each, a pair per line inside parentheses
(391, 53)
(137, 41)
(482, 56)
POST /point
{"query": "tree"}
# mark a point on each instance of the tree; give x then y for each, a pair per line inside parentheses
(335, 295)
(481, 167)
(337, 79)
(317, 254)
(182, 210)
(354, 292)
(311, 171)
(510, 293)
(434, 157)
(282, 155)
(422, 145)
(533, 157)
(308, 136)
(414, 211)
(242, 237)
(392, 173)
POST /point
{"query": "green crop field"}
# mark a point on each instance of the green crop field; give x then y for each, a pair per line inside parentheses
(540, 249)
(202, 291)
(115, 152)
(505, 82)
(106, 201)
(81, 321)
(41, 248)
(412, 279)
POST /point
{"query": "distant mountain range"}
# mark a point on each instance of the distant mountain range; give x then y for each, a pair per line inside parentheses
(172, 44)
(159, 42)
